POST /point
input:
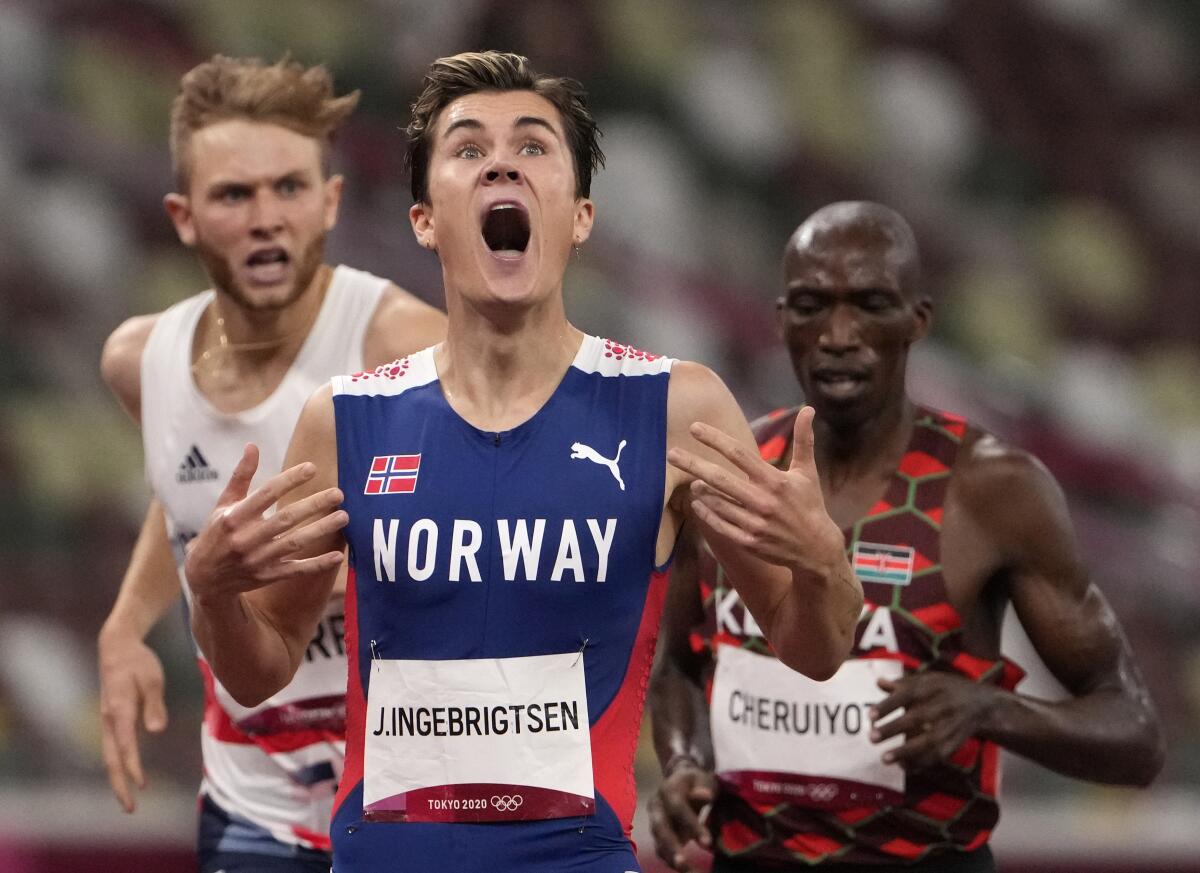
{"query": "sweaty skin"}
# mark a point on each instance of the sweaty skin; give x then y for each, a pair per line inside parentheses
(851, 309)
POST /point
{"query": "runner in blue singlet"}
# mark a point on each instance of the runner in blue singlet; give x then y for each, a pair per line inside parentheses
(510, 512)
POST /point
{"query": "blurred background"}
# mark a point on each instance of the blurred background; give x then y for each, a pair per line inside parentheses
(1047, 153)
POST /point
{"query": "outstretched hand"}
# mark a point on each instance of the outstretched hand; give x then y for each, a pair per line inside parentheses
(777, 515)
(240, 550)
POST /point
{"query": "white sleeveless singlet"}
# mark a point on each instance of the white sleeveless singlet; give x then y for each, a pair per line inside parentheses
(274, 766)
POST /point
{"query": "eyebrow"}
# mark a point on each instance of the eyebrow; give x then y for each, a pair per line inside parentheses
(523, 121)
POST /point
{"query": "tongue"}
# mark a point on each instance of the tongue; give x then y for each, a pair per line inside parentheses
(267, 271)
(506, 231)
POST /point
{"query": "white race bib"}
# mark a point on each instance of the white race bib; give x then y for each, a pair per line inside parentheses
(487, 739)
(779, 736)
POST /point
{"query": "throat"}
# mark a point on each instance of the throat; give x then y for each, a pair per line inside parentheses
(497, 384)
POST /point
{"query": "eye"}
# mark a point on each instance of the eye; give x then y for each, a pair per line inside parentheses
(289, 187)
(469, 151)
(533, 148)
(233, 195)
(805, 304)
(876, 301)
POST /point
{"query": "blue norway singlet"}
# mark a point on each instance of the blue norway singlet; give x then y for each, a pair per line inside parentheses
(591, 457)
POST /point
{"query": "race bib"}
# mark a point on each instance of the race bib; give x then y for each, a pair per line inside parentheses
(780, 737)
(487, 739)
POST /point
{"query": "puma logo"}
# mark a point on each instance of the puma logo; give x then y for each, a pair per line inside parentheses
(580, 451)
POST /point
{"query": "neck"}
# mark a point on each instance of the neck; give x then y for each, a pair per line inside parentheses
(500, 363)
(844, 451)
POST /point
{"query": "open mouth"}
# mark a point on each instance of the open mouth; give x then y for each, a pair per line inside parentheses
(839, 381)
(263, 257)
(268, 265)
(506, 229)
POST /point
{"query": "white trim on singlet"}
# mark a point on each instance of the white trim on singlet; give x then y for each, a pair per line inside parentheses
(596, 355)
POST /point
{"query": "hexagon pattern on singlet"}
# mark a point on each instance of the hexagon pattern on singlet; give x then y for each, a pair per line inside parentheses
(948, 807)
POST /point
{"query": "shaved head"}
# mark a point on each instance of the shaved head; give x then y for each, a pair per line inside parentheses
(871, 228)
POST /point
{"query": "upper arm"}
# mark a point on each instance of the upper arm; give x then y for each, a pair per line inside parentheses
(121, 362)
(402, 324)
(295, 607)
(696, 393)
(1013, 497)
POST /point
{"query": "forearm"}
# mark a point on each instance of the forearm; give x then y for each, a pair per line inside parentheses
(811, 622)
(245, 651)
(1104, 736)
(150, 585)
(679, 718)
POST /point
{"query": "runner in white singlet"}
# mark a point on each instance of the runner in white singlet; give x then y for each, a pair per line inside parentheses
(226, 367)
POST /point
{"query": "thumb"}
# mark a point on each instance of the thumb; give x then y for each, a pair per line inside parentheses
(243, 474)
(154, 713)
(802, 443)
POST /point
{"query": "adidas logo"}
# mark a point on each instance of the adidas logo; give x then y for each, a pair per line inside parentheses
(194, 468)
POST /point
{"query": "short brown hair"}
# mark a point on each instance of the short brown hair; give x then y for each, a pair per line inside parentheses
(283, 93)
(469, 72)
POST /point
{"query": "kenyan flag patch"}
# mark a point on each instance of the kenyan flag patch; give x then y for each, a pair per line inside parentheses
(889, 565)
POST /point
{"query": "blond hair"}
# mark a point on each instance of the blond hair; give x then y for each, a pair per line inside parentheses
(283, 93)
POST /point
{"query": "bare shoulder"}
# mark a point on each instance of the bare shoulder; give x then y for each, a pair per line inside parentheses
(1009, 491)
(402, 324)
(315, 440)
(696, 393)
(121, 361)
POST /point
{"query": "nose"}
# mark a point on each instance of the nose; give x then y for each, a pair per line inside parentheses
(266, 215)
(501, 171)
(840, 332)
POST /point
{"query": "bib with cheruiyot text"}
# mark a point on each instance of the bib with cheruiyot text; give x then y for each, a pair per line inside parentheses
(484, 739)
(779, 736)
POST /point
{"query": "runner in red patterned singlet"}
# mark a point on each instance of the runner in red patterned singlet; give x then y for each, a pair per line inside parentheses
(892, 764)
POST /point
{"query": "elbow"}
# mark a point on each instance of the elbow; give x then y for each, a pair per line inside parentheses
(250, 693)
(1152, 758)
(818, 666)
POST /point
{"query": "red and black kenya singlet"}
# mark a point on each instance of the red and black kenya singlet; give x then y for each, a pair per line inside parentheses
(896, 551)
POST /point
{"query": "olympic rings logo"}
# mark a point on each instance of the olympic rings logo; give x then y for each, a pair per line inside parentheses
(823, 792)
(507, 802)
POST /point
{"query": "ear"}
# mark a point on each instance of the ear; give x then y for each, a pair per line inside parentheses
(585, 214)
(421, 217)
(780, 316)
(923, 318)
(333, 199)
(179, 208)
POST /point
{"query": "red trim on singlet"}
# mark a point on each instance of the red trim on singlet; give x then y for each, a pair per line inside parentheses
(314, 839)
(356, 701)
(217, 722)
(615, 733)
(220, 726)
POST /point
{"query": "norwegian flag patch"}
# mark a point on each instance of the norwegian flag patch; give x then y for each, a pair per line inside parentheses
(890, 565)
(393, 474)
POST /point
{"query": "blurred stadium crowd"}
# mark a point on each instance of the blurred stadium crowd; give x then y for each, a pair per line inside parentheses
(1047, 152)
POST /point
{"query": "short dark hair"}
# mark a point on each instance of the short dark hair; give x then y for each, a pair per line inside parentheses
(470, 72)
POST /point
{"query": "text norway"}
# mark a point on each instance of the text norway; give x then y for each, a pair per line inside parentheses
(520, 547)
